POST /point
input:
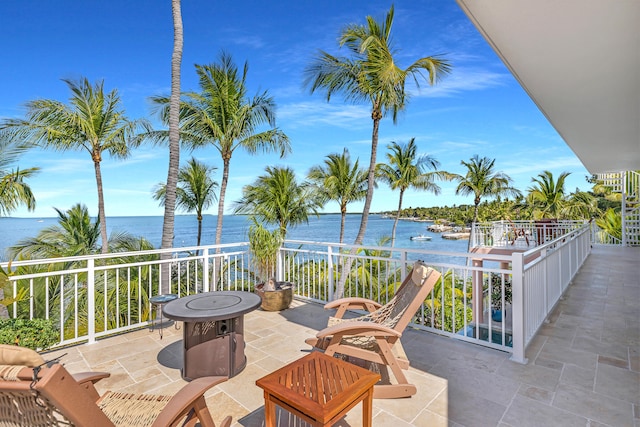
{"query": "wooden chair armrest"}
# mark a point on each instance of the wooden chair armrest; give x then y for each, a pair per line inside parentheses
(94, 377)
(185, 399)
(352, 303)
(357, 328)
(87, 381)
(361, 302)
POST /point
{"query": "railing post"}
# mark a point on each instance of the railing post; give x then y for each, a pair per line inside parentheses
(472, 238)
(403, 261)
(330, 271)
(15, 302)
(623, 208)
(91, 301)
(517, 299)
(279, 265)
(205, 270)
(545, 274)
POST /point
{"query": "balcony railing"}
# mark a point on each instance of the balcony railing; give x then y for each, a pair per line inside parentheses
(521, 234)
(496, 298)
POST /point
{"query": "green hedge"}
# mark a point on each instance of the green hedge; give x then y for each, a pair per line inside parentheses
(36, 334)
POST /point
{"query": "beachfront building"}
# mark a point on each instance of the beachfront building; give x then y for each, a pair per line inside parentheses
(550, 48)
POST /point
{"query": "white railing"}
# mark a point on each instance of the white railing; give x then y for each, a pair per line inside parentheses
(627, 183)
(90, 297)
(631, 209)
(521, 234)
(495, 298)
(601, 237)
(547, 271)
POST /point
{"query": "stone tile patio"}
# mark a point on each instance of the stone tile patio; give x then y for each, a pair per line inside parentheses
(583, 366)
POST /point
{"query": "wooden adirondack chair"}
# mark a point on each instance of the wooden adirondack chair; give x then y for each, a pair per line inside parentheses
(34, 393)
(375, 337)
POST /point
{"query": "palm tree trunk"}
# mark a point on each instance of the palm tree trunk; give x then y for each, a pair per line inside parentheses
(199, 229)
(101, 215)
(226, 158)
(370, 181)
(376, 116)
(223, 190)
(343, 219)
(395, 223)
(174, 146)
(476, 203)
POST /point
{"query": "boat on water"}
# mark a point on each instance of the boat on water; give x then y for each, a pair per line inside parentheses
(420, 237)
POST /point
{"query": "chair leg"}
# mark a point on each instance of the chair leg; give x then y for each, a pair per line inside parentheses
(385, 357)
(391, 361)
(200, 415)
(393, 391)
(319, 343)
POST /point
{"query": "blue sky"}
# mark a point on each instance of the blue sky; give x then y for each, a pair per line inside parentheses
(478, 109)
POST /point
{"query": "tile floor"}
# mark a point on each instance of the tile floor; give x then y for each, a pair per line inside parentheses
(583, 366)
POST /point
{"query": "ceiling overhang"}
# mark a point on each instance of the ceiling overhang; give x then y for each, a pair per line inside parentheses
(579, 61)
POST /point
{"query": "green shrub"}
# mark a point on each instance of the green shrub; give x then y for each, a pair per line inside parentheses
(36, 334)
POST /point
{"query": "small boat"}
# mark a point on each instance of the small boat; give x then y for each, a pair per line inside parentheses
(420, 237)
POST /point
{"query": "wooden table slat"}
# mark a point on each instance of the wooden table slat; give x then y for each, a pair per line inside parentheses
(319, 389)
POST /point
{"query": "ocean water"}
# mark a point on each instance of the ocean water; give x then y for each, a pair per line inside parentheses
(326, 228)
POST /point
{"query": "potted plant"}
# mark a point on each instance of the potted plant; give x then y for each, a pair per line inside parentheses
(264, 246)
(497, 309)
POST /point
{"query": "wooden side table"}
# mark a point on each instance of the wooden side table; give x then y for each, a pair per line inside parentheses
(319, 389)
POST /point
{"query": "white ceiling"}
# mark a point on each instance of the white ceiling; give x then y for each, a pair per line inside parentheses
(579, 61)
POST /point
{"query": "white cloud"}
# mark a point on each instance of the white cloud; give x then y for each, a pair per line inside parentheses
(462, 80)
(541, 163)
(317, 113)
(136, 157)
(251, 41)
(66, 165)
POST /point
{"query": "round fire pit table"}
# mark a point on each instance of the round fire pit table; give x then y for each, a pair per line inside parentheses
(213, 337)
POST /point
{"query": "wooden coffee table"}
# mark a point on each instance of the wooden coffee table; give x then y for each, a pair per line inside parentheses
(319, 389)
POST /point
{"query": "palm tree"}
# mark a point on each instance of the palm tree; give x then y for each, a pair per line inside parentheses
(74, 235)
(92, 121)
(277, 198)
(340, 181)
(222, 115)
(195, 191)
(14, 191)
(371, 74)
(481, 180)
(408, 170)
(174, 141)
(582, 205)
(547, 196)
(610, 224)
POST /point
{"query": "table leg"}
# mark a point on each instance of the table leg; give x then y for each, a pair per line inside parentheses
(367, 408)
(269, 411)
